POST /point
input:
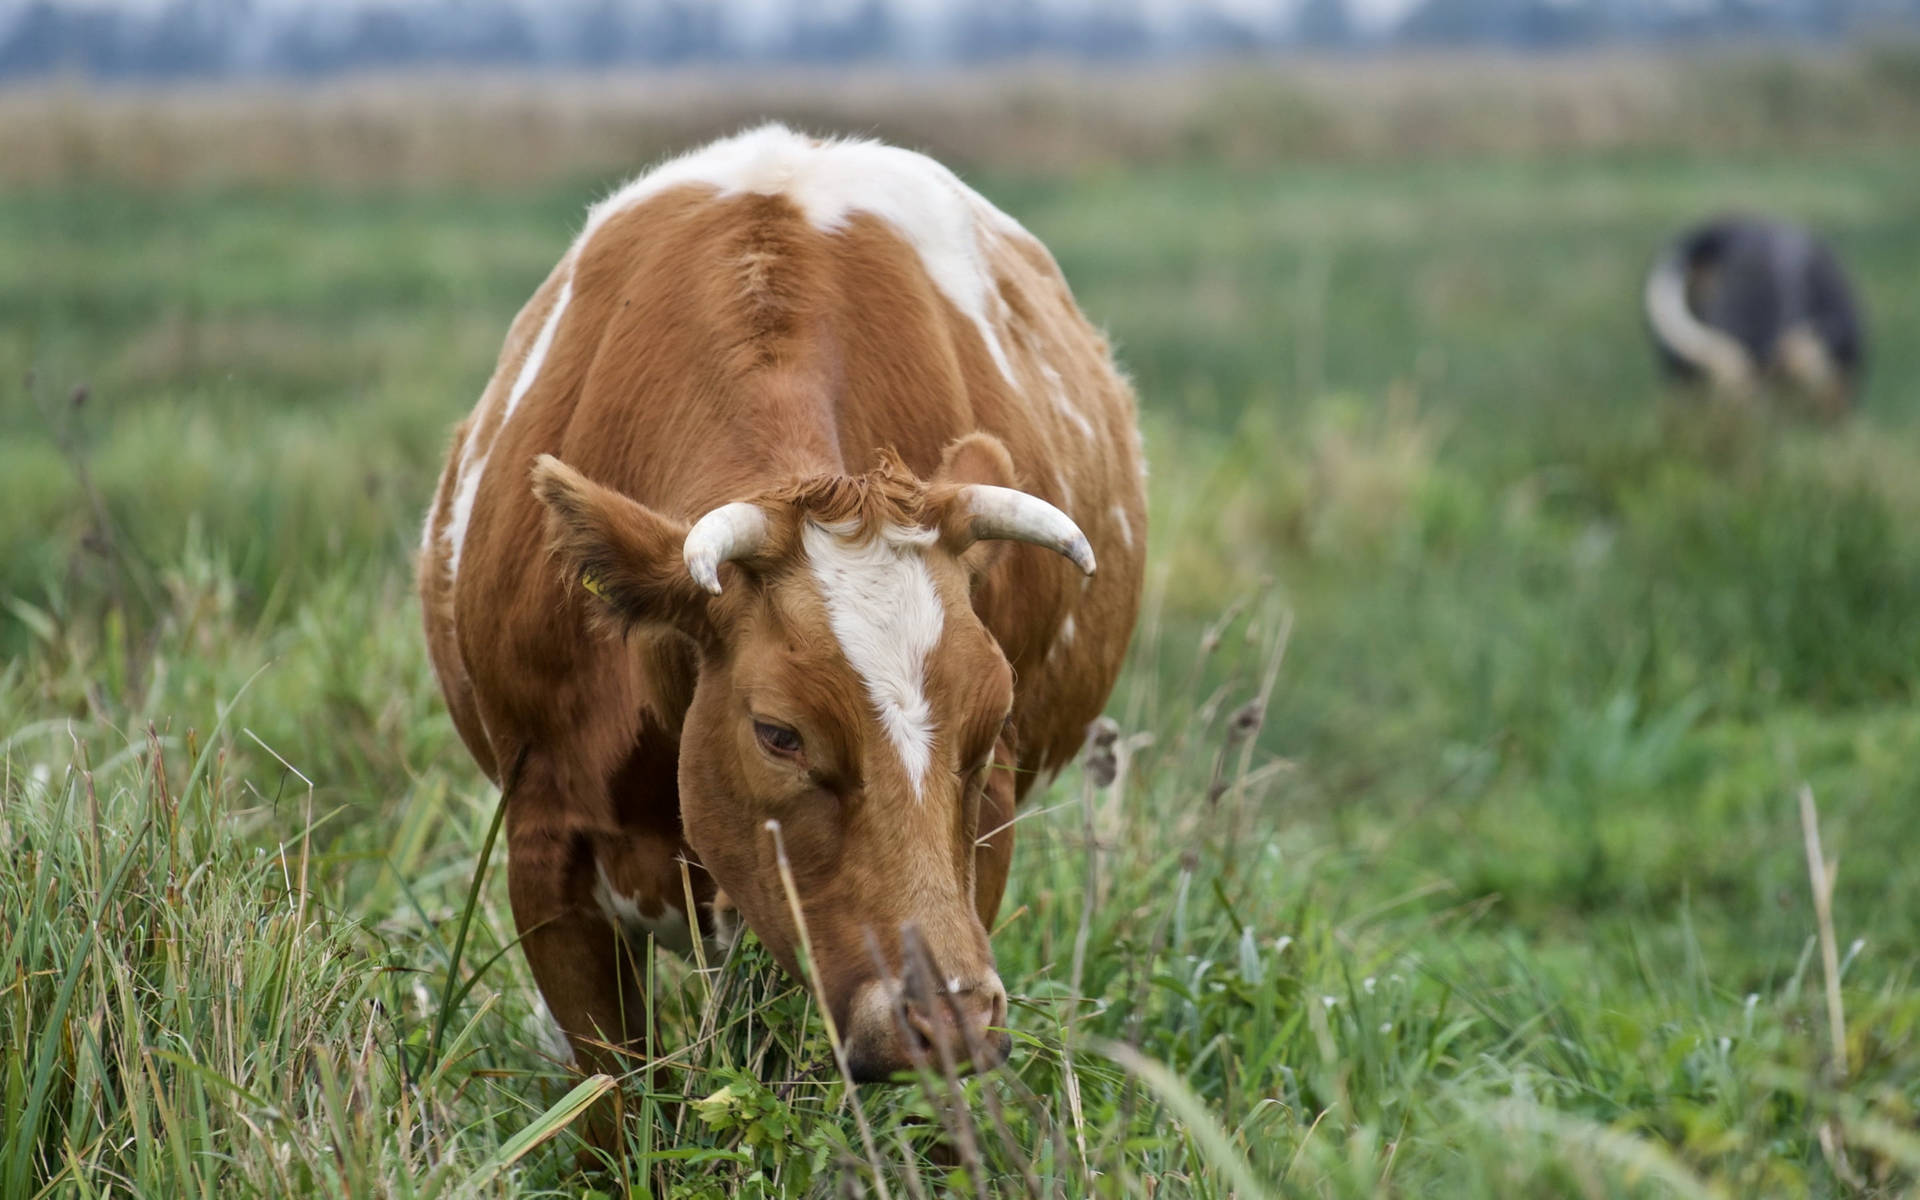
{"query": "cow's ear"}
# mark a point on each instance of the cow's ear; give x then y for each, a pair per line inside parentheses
(975, 458)
(623, 555)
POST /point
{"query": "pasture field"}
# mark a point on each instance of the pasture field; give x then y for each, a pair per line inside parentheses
(1453, 841)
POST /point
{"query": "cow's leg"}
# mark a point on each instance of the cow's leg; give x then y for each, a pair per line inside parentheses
(641, 885)
(582, 964)
(645, 870)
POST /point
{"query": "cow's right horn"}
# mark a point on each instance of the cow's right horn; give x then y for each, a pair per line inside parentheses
(731, 531)
(1000, 512)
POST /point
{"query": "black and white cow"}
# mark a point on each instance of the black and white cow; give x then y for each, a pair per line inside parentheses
(1743, 300)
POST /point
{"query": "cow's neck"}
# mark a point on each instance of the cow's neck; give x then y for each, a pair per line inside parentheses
(780, 428)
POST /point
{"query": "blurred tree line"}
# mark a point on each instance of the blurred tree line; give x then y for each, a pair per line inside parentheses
(181, 38)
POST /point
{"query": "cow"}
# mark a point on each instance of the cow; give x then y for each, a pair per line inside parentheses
(762, 579)
(1741, 300)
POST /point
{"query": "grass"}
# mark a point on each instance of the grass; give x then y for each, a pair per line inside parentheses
(1449, 843)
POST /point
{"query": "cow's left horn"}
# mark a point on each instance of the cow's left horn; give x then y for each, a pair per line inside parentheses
(999, 512)
(731, 531)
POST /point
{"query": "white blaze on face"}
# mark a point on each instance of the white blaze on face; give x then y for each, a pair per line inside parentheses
(887, 617)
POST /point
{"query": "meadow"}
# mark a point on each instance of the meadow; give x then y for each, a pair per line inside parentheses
(1453, 840)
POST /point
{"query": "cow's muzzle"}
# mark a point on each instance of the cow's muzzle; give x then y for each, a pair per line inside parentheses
(899, 1026)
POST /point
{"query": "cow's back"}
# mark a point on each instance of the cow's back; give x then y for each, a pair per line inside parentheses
(849, 298)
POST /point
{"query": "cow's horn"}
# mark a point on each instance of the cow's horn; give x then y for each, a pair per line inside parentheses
(998, 512)
(731, 531)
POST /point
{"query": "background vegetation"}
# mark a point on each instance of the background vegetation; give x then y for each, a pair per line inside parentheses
(1450, 843)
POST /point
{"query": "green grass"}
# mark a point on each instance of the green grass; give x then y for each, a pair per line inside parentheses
(1505, 896)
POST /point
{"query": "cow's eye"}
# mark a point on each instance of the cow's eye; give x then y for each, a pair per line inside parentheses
(776, 739)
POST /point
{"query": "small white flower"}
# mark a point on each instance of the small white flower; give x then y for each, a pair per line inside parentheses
(1726, 1044)
(1753, 998)
(1853, 951)
(1281, 943)
(1329, 1001)
(1368, 984)
(1386, 1027)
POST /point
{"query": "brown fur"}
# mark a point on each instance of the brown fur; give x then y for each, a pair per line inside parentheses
(718, 349)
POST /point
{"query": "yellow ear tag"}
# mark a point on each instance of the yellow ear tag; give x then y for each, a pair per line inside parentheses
(592, 585)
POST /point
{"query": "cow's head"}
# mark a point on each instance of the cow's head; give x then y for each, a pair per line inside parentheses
(851, 711)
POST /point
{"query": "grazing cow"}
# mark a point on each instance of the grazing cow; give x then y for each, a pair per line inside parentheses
(725, 578)
(1742, 299)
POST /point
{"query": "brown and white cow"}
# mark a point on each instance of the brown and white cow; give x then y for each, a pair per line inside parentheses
(732, 538)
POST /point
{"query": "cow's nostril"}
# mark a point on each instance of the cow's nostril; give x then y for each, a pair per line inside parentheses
(920, 1029)
(899, 1029)
(954, 1025)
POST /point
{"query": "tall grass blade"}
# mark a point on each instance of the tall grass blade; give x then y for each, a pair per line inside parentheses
(549, 1123)
(1193, 1112)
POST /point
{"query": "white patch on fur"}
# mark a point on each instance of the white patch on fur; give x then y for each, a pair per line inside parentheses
(426, 530)
(547, 1033)
(473, 461)
(887, 616)
(1057, 392)
(1720, 356)
(669, 929)
(726, 931)
(530, 369)
(1067, 631)
(1119, 512)
(463, 497)
(829, 180)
